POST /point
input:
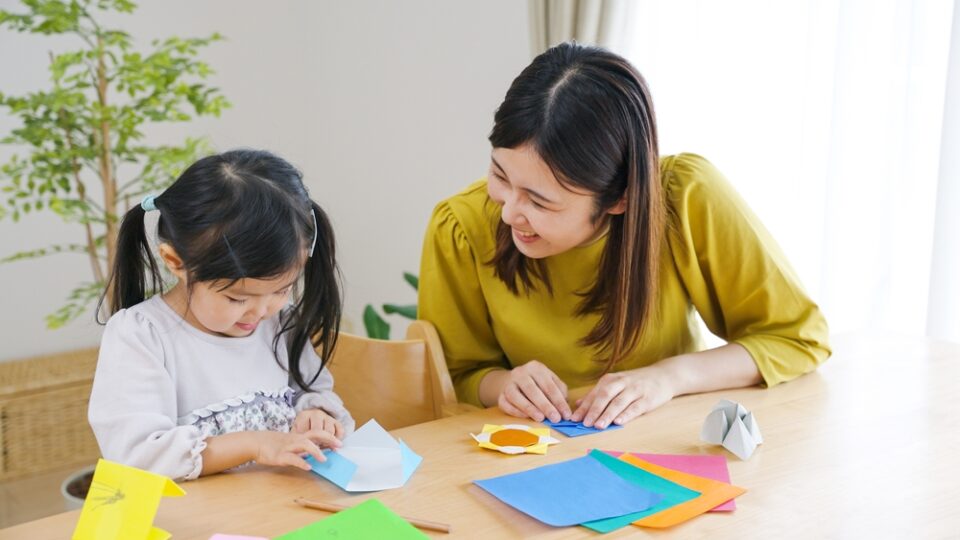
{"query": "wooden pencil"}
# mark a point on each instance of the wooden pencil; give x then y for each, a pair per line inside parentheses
(333, 507)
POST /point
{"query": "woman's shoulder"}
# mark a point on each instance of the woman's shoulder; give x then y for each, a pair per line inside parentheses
(467, 216)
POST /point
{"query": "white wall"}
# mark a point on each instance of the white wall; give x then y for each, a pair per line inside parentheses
(384, 105)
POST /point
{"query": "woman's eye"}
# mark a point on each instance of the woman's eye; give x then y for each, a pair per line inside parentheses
(236, 300)
(538, 205)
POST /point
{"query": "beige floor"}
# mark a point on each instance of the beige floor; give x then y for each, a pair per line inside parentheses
(33, 497)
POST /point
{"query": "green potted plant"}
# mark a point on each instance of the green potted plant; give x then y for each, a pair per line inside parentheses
(376, 325)
(79, 151)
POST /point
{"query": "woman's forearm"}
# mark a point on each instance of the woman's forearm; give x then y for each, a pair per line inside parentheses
(491, 385)
(728, 366)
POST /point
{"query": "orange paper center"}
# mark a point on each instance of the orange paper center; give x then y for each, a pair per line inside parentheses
(513, 437)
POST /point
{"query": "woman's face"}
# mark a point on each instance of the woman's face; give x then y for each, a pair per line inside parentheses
(545, 217)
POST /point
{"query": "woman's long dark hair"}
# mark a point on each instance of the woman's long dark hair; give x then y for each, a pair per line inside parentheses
(588, 114)
(240, 214)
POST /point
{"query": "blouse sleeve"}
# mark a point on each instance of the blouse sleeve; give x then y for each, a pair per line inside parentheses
(133, 404)
(451, 298)
(321, 395)
(737, 277)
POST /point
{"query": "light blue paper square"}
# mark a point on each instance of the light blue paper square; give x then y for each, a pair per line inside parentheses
(336, 468)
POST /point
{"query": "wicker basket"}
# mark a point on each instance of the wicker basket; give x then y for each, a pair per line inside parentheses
(43, 413)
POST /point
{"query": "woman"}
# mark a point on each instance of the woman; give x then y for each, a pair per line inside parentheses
(584, 255)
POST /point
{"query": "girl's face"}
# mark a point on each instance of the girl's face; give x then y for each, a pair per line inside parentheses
(236, 311)
(221, 310)
(546, 217)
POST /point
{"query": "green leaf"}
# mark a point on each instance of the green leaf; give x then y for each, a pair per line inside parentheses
(377, 328)
(408, 311)
(412, 279)
(78, 302)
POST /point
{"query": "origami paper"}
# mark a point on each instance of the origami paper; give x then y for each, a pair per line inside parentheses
(369, 460)
(733, 426)
(712, 493)
(705, 465)
(515, 439)
(122, 503)
(570, 492)
(671, 492)
(369, 520)
(576, 429)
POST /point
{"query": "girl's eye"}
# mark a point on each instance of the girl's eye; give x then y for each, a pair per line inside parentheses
(283, 292)
(236, 300)
(538, 205)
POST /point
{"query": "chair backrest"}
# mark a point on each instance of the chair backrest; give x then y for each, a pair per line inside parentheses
(400, 383)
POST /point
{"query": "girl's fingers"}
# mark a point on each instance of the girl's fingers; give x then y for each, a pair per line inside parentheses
(301, 424)
(323, 438)
(338, 430)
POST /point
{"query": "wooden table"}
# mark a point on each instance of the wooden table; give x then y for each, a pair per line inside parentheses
(866, 447)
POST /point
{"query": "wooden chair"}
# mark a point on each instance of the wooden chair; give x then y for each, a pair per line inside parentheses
(400, 383)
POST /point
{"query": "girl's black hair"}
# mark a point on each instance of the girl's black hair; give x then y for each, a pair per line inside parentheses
(240, 214)
(589, 116)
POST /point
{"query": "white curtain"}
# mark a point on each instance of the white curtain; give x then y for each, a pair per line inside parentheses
(828, 116)
(595, 22)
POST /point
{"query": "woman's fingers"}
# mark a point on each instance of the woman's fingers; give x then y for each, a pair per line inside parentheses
(519, 400)
(535, 394)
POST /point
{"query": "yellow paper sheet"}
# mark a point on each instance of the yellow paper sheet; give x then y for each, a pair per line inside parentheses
(122, 503)
(712, 493)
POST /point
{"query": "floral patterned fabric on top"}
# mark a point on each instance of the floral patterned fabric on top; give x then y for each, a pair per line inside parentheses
(259, 411)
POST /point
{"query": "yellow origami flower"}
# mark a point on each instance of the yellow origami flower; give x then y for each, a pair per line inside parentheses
(515, 439)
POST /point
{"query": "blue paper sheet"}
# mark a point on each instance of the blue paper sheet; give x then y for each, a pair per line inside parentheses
(576, 429)
(672, 493)
(570, 492)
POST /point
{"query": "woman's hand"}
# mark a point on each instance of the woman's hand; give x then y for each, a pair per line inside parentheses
(620, 397)
(317, 419)
(282, 449)
(533, 391)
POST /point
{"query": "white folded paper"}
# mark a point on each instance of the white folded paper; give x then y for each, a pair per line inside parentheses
(733, 426)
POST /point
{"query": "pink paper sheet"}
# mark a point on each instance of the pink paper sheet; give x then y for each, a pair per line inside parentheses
(707, 466)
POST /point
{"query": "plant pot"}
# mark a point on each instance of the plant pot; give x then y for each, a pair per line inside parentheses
(74, 488)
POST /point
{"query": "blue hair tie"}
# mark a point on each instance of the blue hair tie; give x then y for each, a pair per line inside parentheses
(149, 203)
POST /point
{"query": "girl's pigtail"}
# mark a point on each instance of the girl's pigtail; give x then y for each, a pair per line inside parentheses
(315, 320)
(133, 265)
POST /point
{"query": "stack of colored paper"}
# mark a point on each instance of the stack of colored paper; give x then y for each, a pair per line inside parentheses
(607, 491)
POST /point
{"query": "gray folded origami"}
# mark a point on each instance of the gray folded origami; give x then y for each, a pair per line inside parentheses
(733, 426)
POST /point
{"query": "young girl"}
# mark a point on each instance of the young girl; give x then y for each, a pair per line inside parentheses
(582, 259)
(220, 369)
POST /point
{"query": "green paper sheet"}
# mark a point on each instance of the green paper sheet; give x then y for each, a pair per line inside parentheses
(369, 520)
(673, 494)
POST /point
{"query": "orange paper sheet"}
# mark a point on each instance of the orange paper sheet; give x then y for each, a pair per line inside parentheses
(712, 493)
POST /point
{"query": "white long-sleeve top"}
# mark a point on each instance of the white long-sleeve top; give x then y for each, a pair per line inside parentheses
(162, 387)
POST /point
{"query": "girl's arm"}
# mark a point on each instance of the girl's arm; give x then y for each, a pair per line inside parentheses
(621, 397)
(264, 447)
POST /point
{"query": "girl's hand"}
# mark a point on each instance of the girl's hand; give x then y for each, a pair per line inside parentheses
(533, 391)
(620, 397)
(282, 449)
(317, 419)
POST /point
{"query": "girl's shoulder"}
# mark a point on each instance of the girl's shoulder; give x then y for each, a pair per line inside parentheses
(149, 319)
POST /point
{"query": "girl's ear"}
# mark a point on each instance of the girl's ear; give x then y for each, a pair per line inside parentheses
(173, 261)
(618, 208)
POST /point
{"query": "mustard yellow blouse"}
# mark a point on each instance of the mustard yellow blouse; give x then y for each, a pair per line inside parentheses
(717, 260)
